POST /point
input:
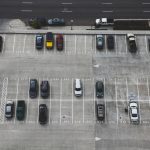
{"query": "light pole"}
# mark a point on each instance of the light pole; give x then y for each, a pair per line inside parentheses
(71, 22)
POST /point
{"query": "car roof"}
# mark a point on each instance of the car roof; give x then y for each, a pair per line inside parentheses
(78, 83)
(99, 35)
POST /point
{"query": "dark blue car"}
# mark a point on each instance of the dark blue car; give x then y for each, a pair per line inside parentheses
(39, 41)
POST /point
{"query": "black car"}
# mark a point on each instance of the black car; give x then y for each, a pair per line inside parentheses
(9, 109)
(43, 114)
(56, 22)
(1, 43)
(44, 88)
(33, 90)
(110, 42)
(100, 111)
(99, 89)
(39, 41)
(20, 110)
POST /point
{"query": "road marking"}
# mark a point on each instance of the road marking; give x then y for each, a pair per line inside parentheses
(105, 39)
(60, 97)
(145, 3)
(138, 99)
(66, 3)
(103, 3)
(27, 2)
(72, 100)
(28, 101)
(104, 98)
(97, 139)
(116, 47)
(17, 89)
(24, 42)
(75, 44)
(146, 11)
(126, 45)
(107, 11)
(65, 43)
(26, 10)
(50, 101)
(146, 44)
(116, 100)
(94, 44)
(38, 102)
(94, 97)
(85, 44)
(83, 98)
(66, 11)
(14, 43)
(148, 90)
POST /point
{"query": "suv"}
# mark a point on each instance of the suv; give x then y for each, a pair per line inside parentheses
(39, 41)
(33, 90)
(133, 109)
(99, 89)
(77, 87)
(44, 89)
(9, 109)
(100, 111)
(132, 42)
(99, 42)
(43, 114)
(20, 110)
(49, 40)
(110, 42)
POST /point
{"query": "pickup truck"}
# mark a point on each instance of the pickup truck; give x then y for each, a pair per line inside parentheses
(49, 40)
(104, 22)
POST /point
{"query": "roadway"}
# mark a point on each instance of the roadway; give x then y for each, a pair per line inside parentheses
(82, 12)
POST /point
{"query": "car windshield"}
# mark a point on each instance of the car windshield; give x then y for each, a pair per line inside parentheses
(39, 39)
(8, 108)
(78, 89)
(32, 87)
(134, 115)
(44, 88)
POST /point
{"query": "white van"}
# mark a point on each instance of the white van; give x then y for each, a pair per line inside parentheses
(77, 87)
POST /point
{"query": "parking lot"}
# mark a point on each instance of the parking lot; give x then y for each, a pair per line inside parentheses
(73, 45)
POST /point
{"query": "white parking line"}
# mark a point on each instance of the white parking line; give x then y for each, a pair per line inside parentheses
(17, 89)
(94, 97)
(24, 42)
(94, 44)
(116, 100)
(116, 47)
(85, 44)
(83, 99)
(50, 101)
(27, 2)
(144, 3)
(105, 99)
(60, 98)
(26, 10)
(105, 38)
(146, 44)
(38, 101)
(138, 99)
(127, 88)
(27, 103)
(148, 90)
(126, 45)
(103, 3)
(107, 11)
(75, 44)
(65, 43)
(14, 43)
(72, 100)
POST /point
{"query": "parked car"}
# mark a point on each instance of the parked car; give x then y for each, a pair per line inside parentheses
(100, 112)
(56, 22)
(59, 42)
(110, 42)
(99, 89)
(9, 109)
(149, 44)
(44, 88)
(39, 41)
(33, 90)
(131, 39)
(20, 110)
(77, 87)
(43, 114)
(49, 40)
(99, 42)
(1, 43)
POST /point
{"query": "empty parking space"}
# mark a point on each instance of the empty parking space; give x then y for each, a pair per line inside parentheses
(89, 44)
(71, 44)
(30, 44)
(80, 46)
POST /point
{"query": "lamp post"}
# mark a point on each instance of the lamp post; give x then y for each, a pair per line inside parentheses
(71, 22)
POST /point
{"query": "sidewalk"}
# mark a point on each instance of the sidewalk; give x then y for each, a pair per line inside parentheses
(17, 26)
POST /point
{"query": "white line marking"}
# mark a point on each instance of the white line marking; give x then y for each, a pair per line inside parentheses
(65, 43)
(116, 100)
(105, 99)
(83, 99)
(95, 49)
(105, 39)
(116, 46)
(138, 99)
(94, 97)
(146, 11)
(107, 11)
(38, 102)
(66, 11)
(127, 88)
(27, 102)
(145, 3)
(85, 44)
(24, 41)
(75, 44)
(146, 44)
(27, 2)
(27, 10)
(50, 101)
(14, 43)
(106, 3)
(72, 100)
(60, 97)
(66, 3)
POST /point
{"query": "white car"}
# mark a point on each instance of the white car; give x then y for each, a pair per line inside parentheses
(77, 87)
(134, 114)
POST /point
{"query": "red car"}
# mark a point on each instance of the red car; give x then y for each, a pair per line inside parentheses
(59, 42)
